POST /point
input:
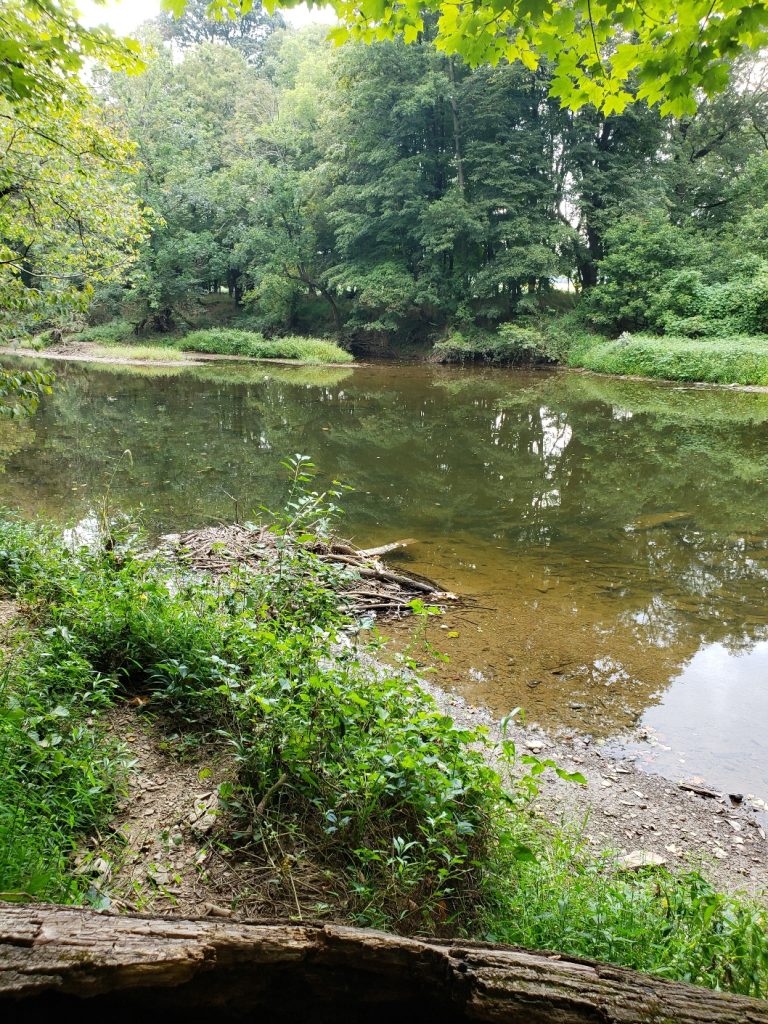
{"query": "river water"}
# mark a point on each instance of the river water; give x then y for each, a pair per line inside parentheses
(611, 536)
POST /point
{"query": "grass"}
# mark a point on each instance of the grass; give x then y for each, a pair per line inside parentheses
(148, 353)
(737, 360)
(674, 926)
(356, 774)
(228, 341)
(120, 342)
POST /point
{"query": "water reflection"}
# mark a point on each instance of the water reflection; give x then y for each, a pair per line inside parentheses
(718, 703)
(607, 531)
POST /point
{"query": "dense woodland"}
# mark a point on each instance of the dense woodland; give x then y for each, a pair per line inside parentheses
(391, 196)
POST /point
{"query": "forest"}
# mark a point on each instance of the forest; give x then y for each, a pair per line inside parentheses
(261, 183)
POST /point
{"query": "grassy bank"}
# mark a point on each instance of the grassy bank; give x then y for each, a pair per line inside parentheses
(118, 339)
(565, 340)
(738, 360)
(353, 775)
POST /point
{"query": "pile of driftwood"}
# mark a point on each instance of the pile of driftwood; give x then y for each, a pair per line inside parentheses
(370, 587)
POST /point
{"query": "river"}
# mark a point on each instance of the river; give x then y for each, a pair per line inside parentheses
(610, 536)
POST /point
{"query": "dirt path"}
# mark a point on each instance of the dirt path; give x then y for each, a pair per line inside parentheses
(162, 860)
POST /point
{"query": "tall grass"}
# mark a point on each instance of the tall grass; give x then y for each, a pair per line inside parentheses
(120, 341)
(228, 341)
(737, 360)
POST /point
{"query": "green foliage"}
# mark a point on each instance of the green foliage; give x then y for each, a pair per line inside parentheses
(674, 52)
(675, 926)
(68, 216)
(149, 353)
(737, 360)
(245, 31)
(58, 772)
(643, 253)
(233, 342)
(380, 784)
(116, 332)
(21, 390)
(43, 48)
(339, 761)
(511, 344)
(722, 309)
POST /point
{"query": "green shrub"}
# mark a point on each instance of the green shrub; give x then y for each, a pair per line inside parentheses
(739, 360)
(231, 342)
(510, 344)
(116, 332)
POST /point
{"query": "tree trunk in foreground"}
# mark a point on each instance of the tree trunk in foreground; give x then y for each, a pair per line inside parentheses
(113, 969)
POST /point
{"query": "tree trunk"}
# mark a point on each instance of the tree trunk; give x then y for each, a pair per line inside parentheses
(457, 141)
(55, 960)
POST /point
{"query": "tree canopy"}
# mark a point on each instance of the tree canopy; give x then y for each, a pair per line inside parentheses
(605, 52)
(44, 48)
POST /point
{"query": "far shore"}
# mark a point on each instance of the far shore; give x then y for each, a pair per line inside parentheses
(83, 352)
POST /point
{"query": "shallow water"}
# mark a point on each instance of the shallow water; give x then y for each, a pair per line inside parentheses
(611, 535)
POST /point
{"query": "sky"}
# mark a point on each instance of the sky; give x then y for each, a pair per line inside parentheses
(124, 15)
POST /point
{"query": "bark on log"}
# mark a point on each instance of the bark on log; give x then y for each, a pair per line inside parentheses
(108, 968)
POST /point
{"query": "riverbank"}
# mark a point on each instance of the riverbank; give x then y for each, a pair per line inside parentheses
(126, 355)
(733, 364)
(738, 360)
(625, 809)
(229, 752)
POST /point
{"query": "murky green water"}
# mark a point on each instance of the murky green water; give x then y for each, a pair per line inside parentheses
(612, 535)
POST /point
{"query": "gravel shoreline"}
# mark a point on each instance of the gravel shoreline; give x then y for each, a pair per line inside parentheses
(625, 809)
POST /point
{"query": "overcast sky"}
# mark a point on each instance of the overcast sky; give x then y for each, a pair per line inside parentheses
(125, 15)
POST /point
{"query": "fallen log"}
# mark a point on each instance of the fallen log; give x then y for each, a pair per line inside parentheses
(55, 960)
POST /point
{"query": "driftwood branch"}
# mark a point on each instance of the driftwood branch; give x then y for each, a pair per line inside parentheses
(372, 586)
(109, 968)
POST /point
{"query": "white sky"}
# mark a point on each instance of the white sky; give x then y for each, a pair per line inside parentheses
(124, 15)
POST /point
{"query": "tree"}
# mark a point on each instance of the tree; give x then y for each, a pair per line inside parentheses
(245, 31)
(675, 52)
(44, 48)
(68, 217)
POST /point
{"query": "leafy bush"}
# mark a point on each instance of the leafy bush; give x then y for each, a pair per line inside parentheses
(228, 341)
(511, 344)
(723, 309)
(116, 332)
(739, 360)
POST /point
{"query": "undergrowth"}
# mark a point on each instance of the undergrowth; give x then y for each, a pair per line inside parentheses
(353, 768)
(737, 360)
